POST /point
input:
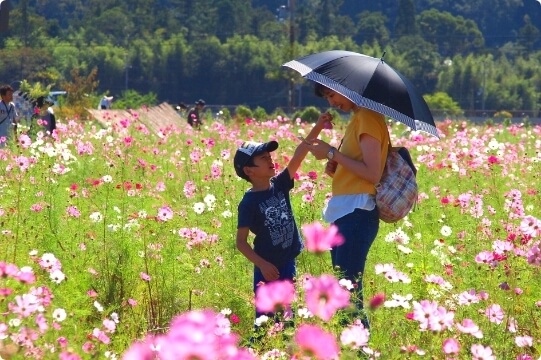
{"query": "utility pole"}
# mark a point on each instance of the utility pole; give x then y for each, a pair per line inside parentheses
(291, 6)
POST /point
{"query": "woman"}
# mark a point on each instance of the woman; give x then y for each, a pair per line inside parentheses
(355, 168)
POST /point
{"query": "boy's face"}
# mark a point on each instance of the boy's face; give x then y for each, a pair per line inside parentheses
(263, 167)
(338, 100)
(8, 97)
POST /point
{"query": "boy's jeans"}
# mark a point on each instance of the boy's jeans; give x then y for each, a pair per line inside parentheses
(287, 272)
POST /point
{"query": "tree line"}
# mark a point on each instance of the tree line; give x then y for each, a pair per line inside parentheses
(231, 51)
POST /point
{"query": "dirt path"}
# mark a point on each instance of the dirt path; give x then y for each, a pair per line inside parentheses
(154, 118)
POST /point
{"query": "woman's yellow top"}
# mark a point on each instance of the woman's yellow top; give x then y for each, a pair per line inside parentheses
(363, 121)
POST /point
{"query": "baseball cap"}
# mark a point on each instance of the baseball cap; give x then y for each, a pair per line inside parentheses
(200, 102)
(247, 151)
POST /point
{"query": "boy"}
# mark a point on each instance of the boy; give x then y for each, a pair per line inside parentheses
(266, 210)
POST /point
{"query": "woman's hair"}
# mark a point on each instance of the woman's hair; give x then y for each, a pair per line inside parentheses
(319, 89)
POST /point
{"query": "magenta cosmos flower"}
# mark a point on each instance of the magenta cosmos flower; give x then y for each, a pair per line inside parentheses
(324, 296)
(274, 296)
(319, 239)
(315, 343)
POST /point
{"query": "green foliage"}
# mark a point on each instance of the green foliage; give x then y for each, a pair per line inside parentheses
(260, 114)
(78, 93)
(224, 114)
(131, 99)
(503, 115)
(243, 112)
(444, 103)
(310, 114)
(435, 27)
(231, 51)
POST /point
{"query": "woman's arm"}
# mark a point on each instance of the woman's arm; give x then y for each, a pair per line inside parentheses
(368, 169)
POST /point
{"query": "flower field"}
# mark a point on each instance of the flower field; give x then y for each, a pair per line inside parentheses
(119, 243)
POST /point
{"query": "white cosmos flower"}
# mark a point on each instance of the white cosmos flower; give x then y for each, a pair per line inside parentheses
(59, 315)
(199, 207)
(226, 311)
(98, 306)
(446, 230)
(57, 276)
(261, 320)
(96, 216)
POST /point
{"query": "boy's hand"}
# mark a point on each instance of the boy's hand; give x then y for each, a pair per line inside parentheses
(269, 271)
(326, 120)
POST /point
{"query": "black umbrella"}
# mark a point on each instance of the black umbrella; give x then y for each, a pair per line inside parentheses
(368, 82)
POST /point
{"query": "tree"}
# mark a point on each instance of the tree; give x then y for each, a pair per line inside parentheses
(405, 22)
(372, 27)
(443, 103)
(451, 34)
(528, 36)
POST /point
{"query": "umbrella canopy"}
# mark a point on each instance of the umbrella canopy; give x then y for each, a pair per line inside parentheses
(368, 82)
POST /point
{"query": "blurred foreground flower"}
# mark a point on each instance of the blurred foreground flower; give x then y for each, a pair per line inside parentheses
(193, 335)
(319, 239)
(274, 296)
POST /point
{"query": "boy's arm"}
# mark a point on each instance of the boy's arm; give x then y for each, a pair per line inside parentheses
(269, 271)
(303, 148)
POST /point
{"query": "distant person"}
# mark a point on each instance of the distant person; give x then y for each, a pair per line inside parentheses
(8, 114)
(194, 116)
(181, 107)
(105, 103)
(49, 118)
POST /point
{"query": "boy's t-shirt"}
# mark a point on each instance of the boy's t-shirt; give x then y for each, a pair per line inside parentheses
(269, 216)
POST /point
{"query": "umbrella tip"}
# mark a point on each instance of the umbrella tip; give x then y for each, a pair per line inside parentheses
(382, 56)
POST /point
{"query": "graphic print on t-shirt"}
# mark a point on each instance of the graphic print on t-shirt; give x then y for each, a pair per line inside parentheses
(279, 220)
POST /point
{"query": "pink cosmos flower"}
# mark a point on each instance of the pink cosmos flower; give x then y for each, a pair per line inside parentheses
(479, 352)
(524, 341)
(25, 141)
(355, 336)
(73, 211)
(315, 343)
(318, 239)
(495, 313)
(100, 336)
(534, 254)
(145, 276)
(189, 189)
(451, 346)
(324, 296)
(165, 213)
(141, 350)
(530, 226)
(25, 305)
(376, 301)
(235, 319)
(469, 327)
(274, 296)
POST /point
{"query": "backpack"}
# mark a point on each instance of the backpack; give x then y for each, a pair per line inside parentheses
(397, 190)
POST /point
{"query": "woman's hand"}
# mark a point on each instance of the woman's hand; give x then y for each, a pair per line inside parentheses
(330, 167)
(320, 149)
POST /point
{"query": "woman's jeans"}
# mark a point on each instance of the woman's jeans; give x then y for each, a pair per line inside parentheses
(287, 272)
(359, 230)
